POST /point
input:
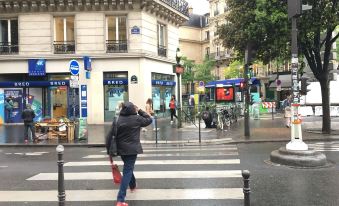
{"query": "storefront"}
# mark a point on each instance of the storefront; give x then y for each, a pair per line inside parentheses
(50, 96)
(162, 89)
(115, 91)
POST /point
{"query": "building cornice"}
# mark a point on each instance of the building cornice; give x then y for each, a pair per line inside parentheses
(174, 11)
(4, 58)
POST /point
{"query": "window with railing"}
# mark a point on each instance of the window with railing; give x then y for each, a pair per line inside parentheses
(64, 35)
(216, 9)
(207, 52)
(116, 33)
(162, 34)
(207, 35)
(9, 36)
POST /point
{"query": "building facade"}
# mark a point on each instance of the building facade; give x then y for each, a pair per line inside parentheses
(127, 46)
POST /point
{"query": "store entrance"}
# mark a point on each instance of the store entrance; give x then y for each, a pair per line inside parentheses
(58, 101)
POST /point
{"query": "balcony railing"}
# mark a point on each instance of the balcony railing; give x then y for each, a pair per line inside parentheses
(179, 5)
(64, 47)
(8, 48)
(162, 51)
(221, 55)
(116, 46)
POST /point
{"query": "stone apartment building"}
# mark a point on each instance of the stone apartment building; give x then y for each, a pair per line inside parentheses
(124, 50)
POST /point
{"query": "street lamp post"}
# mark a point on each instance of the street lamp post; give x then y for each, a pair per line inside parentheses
(178, 70)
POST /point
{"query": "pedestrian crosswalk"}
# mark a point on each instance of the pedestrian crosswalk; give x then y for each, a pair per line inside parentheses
(168, 175)
(325, 146)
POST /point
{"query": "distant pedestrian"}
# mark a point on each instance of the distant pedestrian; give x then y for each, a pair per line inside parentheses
(9, 104)
(28, 116)
(150, 112)
(207, 117)
(191, 107)
(287, 109)
(173, 106)
(129, 146)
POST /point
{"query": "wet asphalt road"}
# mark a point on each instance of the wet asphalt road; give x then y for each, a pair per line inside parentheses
(270, 185)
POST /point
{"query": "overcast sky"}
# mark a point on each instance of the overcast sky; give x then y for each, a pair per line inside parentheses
(199, 6)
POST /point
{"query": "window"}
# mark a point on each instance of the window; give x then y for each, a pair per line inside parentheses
(64, 35)
(207, 52)
(216, 10)
(218, 51)
(207, 20)
(207, 35)
(162, 51)
(116, 34)
(9, 36)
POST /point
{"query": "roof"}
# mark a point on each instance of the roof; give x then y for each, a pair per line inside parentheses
(195, 20)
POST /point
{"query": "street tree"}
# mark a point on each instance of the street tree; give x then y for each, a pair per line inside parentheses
(234, 70)
(203, 71)
(265, 23)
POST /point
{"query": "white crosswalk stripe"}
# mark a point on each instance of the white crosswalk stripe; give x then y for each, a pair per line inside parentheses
(325, 146)
(204, 164)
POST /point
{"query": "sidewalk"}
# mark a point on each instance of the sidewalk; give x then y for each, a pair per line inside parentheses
(263, 130)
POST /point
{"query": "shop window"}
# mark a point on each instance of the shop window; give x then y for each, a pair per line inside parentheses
(114, 93)
(64, 35)
(162, 42)
(9, 36)
(116, 34)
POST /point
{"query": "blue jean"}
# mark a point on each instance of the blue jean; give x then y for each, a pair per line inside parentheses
(128, 178)
(153, 122)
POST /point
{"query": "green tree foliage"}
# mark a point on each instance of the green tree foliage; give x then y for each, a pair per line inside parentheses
(188, 75)
(234, 70)
(204, 71)
(265, 23)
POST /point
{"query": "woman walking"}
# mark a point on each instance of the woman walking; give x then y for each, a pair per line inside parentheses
(172, 106)
(128, 145)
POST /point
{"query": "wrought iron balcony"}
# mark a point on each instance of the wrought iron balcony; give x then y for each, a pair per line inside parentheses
(179, 5)
(8, 48)
(116, 46)
(162, 51)
(221, 55)
(64, 47)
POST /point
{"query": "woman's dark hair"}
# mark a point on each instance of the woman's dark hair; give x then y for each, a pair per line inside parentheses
(149, 101)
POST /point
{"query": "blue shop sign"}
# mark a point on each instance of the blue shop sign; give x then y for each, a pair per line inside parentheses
(135, 30)
(115, 81)
(34, 83)
(163, 83)
(37, 67)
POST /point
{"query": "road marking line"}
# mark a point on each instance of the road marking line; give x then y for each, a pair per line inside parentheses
(159, 162)
(141, 175)
(187, 150)
(109, 195)
(170, 155)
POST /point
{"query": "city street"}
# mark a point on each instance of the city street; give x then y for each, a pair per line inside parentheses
(168, 175)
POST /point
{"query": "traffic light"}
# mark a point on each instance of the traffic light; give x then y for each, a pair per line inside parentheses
(304, 84)
(242, 86)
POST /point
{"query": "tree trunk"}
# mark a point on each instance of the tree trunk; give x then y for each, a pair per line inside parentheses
(324, 83)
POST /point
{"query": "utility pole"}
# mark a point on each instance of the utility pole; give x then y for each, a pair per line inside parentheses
(296, 143)
(249, 56)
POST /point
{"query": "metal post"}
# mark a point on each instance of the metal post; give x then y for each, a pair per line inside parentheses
(246, 189)
(156, 129)
(247, 103)
(178, 99)
(272, 111)
(199, 127)
(61, 185)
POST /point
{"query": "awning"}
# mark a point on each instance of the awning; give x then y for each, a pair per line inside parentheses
(230, 82)
(286, 81)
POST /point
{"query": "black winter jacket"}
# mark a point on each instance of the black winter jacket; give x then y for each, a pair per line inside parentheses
(129, 125)
(28, 115)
